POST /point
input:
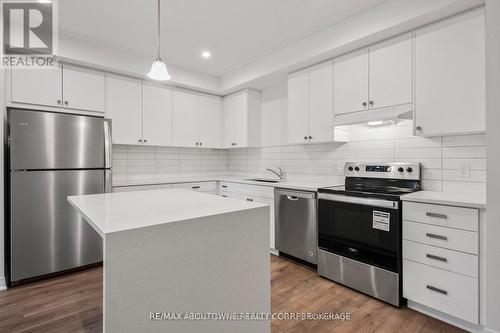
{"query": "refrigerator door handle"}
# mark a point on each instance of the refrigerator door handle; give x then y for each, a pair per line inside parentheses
(108, 146)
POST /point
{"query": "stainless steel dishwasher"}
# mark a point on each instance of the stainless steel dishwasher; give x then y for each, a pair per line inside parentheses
(296, 224)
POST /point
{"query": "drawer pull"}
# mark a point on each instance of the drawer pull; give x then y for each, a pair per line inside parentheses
(224, 186)
(292, 197)
(431, 256)
(441, 291)
(195, 187)
(436, 236)
(436, 215)
(224, 196)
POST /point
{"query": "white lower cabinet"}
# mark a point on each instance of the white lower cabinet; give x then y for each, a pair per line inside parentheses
(256, 193)
(441, 258)
(208, 187)
(141, 187)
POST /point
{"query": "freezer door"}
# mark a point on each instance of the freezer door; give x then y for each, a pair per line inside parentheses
(47, 234)
(45, 140)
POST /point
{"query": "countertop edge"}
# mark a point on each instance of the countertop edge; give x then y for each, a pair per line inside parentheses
(456, 203)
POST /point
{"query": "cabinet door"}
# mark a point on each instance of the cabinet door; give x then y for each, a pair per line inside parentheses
(210, 121)
(185, 118)
(298, 107)
(320, 102)
(37, 86)
(235, 121)
(156, 115)
(124, 107)
(350, 83)
(450, 76)
(83, 89)
(391, 73)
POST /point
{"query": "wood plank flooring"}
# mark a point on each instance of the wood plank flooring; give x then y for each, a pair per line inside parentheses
(73, 303)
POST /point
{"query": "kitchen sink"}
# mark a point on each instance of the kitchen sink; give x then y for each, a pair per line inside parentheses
(265, 180)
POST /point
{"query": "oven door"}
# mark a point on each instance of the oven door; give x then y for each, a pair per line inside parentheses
(364, 229)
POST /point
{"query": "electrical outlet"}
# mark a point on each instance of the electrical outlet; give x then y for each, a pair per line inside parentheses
(464, 170)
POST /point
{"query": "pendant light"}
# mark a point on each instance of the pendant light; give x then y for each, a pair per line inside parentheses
(159, 70)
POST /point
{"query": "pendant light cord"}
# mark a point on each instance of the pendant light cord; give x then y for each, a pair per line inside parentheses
(159, 39)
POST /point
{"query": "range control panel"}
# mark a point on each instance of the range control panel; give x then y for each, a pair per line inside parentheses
(383, 170)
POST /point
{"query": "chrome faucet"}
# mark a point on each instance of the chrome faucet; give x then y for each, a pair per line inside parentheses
(281, 174)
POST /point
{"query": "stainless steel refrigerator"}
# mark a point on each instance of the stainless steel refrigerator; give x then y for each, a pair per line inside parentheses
(51, 156)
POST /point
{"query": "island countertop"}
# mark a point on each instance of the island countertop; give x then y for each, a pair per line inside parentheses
(114, 212)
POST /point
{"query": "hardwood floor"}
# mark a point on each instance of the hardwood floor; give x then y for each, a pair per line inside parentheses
(73, 303)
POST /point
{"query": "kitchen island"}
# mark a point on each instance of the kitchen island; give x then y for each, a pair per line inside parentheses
(178, 251)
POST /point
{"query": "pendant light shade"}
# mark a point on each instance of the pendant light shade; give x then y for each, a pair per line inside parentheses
(159, 70)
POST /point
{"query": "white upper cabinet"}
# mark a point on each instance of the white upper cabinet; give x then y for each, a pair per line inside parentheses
(391, 73)
(156, 115)
(320, 103)
(185, 118)
(124, 107)
(450, 76)
(350, 83)
(37, 86)
(310, 113)
(242, 119)
(209, 121)
(84, 89)
(298, 107)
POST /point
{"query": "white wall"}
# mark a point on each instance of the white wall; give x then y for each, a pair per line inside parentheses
(493, 155)
(274, 115)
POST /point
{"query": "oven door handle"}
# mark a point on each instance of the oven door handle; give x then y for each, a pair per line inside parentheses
(359, 200)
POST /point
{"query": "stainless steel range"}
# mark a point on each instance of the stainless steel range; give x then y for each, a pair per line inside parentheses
(359, 228)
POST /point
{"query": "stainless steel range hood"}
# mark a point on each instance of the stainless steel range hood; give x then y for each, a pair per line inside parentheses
(404, 111)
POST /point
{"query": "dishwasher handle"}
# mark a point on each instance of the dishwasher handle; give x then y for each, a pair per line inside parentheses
(295, 195)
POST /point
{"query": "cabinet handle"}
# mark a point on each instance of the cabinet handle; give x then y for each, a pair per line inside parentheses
(66, 103)
(140, 140)
(310, 137)
(431, 256)
(249, 199)
(371, 103)
(224, 196)
(196, 143)
(200, 143)
(305, 138)
(224, 186)
(418, 128)
(441, 291)
(436, 215)
(364, 104)
(195, 187)
(145, 140)
(292, 197)
(436, 236)
(59, 101)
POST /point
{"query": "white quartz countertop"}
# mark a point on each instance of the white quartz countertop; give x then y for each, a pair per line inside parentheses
(470, 200)
(114, 212)
(297, 185)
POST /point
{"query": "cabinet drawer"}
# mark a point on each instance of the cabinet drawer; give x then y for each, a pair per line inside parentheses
(448, 238)
(201, 186)
(261, 191)
(141, 187)
(438, 257)
(446, 216)
(451, 293)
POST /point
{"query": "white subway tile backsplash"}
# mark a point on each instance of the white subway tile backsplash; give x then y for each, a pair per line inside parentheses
(441, 158)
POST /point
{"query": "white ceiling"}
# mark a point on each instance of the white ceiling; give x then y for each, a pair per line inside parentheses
(237, 32)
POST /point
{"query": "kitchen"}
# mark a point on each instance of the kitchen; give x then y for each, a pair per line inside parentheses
(341, 162)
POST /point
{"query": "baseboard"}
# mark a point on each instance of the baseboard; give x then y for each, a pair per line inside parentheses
(447, 318)
(3, 284)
